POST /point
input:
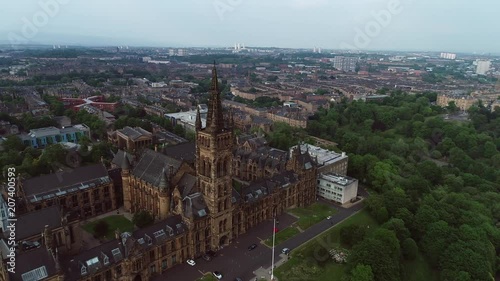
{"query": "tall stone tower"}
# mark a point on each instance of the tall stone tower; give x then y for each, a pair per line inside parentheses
(127, 200)
(214, 153)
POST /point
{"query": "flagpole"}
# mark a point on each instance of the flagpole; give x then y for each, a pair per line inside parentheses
(274, 236)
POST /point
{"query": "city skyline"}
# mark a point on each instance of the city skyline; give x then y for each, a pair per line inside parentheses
(406, 25)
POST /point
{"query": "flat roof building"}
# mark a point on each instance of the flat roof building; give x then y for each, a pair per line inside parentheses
(327, 160)
(338, 188)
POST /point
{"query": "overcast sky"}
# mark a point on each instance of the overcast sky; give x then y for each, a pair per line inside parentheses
(428, 25)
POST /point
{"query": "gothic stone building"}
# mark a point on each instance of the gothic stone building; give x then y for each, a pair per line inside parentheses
(85, 192)
(195, 204)
(203, 193)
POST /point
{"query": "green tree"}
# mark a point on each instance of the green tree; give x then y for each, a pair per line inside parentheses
(381, 252)
(452, 107)
(101, 228)
(381, 215)
(142, 219)
(410, 249)
(362, 273)
(398, 227)
(352, 234)
(13, 143)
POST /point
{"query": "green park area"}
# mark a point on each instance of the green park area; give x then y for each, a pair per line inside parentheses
(282, 236)
(307, 217)
(312, 261)
(106, 227)
(312, 215)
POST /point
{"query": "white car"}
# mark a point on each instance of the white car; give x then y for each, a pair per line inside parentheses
(191, 262)
(328, 217)
(217, 275)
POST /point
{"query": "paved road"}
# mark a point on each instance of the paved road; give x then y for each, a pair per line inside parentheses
(236, 261)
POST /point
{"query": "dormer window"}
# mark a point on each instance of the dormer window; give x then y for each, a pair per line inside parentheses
(84, 270)
(170, 231)
(106, 260)
(148, 239)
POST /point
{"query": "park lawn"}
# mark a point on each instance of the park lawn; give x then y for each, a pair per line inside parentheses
(282, 236)
(115, 222)
(419, 269)
(312, 215)
(207, 277)
(304, 256)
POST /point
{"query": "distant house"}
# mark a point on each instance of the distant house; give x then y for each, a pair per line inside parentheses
(131, 138)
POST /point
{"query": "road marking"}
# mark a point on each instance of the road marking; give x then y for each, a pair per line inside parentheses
(202, 273)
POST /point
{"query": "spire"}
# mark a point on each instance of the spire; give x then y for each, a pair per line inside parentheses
(125, 162)
(214, 86)
(163, 181)
(198, 118)
(215, 117)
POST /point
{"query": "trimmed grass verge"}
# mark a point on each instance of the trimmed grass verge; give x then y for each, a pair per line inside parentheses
(312, 215)
(282, 236)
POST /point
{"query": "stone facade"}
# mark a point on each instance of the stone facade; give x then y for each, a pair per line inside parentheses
(195, 205)
(83, 193)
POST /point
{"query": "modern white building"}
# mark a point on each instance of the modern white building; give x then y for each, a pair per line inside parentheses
(187, 119)
(347, 64)
(328, 161)
(338, 188)
(448, 56)
(483, 67)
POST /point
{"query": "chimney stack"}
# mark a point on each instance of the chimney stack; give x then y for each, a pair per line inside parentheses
(170, 171)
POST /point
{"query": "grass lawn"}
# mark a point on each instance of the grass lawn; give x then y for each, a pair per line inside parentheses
(312, 215)
(207, 277)
(114, 222)
(311, 262)
(282, 236)
(419, 269)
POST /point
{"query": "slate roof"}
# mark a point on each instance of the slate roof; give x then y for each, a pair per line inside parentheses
(260, 189)
(32, 264)
(34, 223)
(182, 152)
(151, 165)
(169, 137)
(187, 184)
(119, 156)
(134, 133)
(195, 206)
(54, 182)
(114, 251)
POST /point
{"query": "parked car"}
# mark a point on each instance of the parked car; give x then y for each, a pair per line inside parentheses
(251, 247)
(207, 257)
(328, 217)
(217, 275)
(285, 251)
(191, 262)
